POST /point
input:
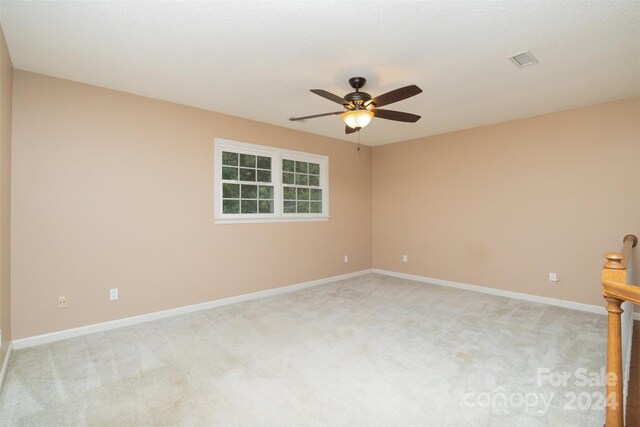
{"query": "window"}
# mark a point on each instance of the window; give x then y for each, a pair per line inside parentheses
(245, 183)
(255, 183)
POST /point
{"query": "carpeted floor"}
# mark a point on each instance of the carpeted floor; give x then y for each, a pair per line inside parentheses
(369, 351)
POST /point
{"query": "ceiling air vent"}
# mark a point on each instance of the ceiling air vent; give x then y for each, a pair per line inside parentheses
(523, 59)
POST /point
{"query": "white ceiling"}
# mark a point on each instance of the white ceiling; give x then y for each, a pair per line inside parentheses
(258, 60)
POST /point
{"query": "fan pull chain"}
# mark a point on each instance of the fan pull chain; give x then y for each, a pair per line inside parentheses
(358, 149)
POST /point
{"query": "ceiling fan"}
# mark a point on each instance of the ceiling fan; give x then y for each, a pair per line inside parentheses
(361, 107)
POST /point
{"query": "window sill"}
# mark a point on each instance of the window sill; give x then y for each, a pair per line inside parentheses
(265, 220)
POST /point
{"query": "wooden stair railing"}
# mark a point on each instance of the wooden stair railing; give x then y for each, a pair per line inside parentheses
(616, 291)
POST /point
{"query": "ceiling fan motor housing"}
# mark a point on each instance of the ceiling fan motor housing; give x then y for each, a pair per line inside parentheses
(356, 99)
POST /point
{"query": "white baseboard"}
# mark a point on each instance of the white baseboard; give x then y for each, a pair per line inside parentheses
(498, 292)
(114, 324)
(5, 365)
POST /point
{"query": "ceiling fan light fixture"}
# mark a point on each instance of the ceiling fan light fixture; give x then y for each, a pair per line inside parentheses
(357, 118)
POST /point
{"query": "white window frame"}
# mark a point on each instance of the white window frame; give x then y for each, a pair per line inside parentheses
(276, 154)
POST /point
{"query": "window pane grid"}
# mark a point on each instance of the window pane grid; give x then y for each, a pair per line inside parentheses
(245, 167)
(239, 197)
(301, 182)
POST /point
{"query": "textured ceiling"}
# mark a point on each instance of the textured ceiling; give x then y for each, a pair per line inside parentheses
(258, 60)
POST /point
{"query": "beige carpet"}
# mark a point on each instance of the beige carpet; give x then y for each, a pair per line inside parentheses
(370, 351)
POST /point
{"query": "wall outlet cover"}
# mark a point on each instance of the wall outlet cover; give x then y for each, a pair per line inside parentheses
(62, 302)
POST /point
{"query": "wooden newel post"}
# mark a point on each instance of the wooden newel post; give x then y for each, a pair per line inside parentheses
(614, 399)
(614, 270)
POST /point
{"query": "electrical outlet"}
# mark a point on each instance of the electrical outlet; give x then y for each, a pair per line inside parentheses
(346, 258)
(553, 277)
(62, 302)
(405, 258)
(113, 294)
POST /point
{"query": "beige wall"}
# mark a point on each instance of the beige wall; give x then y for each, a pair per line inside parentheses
(504, 205)
(6, 90)
(116, 190)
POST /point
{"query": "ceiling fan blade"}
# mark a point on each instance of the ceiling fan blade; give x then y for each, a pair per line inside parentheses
(398, 116)
(328, 95)
(396, 95)
(294, 119)
(348, 130)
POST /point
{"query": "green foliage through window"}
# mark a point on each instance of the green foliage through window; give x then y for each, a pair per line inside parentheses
(298, 194)
(239, 197)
